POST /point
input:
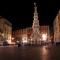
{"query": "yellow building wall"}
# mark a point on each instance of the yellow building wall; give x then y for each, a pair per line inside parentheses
(6, 27)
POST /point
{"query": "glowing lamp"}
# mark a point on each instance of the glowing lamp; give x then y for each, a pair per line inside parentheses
(24, 40)
(44, 37)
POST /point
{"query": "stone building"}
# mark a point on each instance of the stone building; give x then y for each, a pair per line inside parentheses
(21, 34)
(34, 34)
(25, 34)
(44, 31)
(56, 25)
(5, 29)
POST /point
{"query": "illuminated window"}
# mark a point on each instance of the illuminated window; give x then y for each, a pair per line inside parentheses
(24, 39)
(44, 37)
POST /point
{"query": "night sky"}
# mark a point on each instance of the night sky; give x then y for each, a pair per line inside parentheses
(20, 14)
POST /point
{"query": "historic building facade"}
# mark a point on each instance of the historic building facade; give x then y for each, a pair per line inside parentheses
(21, 34)
(44, 30)
(35, 34)
(56, 25)
(5, 30)
(25, 34)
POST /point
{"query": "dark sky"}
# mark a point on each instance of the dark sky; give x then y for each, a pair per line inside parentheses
(20, 14)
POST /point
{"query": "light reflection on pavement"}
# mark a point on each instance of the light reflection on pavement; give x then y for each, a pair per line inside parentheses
(30, 53)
